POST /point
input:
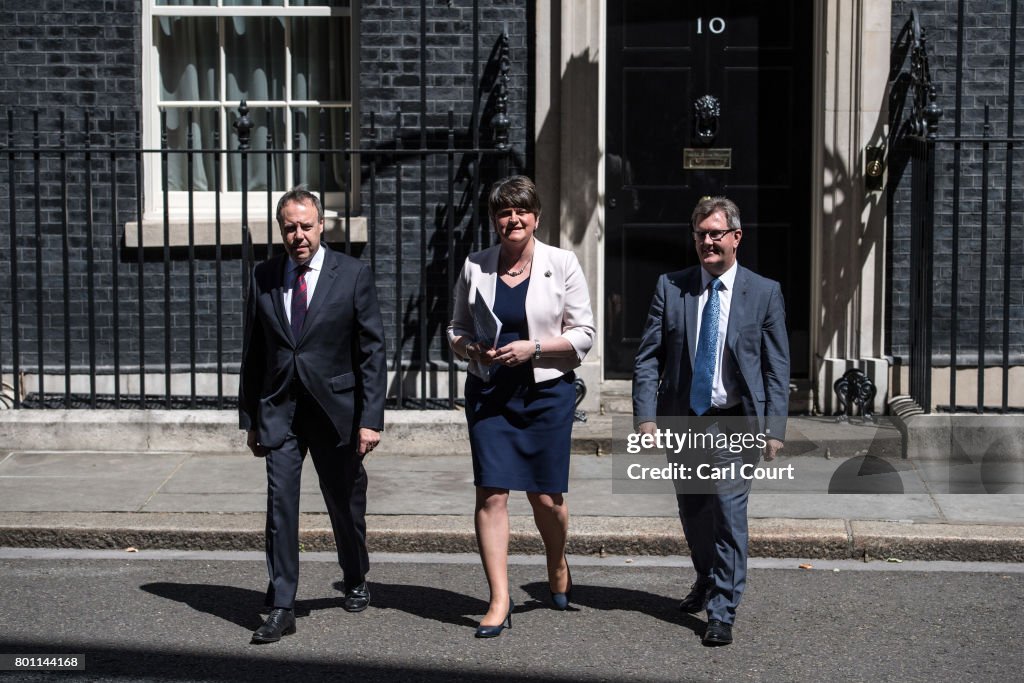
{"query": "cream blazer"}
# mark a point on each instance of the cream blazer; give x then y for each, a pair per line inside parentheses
(557, 304)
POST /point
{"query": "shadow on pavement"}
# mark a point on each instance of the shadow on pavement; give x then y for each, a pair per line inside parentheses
(143, 664)
(608, 598)
(426, 602)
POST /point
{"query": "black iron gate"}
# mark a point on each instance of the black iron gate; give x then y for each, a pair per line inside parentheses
(965, 288)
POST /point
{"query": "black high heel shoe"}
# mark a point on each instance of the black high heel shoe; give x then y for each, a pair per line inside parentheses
(561, 600)
(493, 631)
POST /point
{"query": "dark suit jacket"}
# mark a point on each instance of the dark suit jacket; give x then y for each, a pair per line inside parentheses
(339, 358)
(756, 340)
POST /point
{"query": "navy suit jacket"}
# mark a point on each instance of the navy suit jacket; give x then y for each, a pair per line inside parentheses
(339, 357)
(755, 339)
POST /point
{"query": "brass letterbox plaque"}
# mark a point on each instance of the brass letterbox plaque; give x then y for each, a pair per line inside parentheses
(713, 158)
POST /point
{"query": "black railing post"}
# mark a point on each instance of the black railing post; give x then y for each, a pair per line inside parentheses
(15, 305)
(115, 294)
(450, 234)
(501, 118)
(191, 180)
(65, 258)
(218, 267)
(168, 320)
(399, 230)
(983, 263)
(923, 132)
(373, 193)
(1009, 193)
(346, 178)
(36, 182)
(243, 125)
(140, 260)
(90, 263)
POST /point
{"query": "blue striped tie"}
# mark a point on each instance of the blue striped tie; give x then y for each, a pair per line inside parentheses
(707, 347)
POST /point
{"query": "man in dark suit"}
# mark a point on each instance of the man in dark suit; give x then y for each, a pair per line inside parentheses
(715, 345)
(313, 379)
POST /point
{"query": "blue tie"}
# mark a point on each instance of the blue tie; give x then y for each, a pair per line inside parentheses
(707, 347)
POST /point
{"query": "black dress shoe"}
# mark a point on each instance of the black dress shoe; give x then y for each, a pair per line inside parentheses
(697, 599)
(718, 633)
(357, 598)
(281, 622)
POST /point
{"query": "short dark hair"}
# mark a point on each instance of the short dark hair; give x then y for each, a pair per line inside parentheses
(513, 192)
(709, 205)
(300, 195)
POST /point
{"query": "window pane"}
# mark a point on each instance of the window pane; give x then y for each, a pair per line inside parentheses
(204, 123)
(185, 3)
(254, 50)
(307, 127)
(236, 3)
(260, 173)
(188, 57)
(320, 59)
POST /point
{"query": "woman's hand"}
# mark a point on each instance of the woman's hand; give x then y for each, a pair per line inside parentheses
(480, 353)
(516, 353)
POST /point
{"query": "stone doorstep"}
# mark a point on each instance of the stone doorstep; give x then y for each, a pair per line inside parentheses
(794, 538)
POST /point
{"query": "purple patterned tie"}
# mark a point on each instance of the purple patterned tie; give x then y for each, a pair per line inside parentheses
(299, 301)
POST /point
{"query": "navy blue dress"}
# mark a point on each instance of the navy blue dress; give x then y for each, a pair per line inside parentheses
(519, 430)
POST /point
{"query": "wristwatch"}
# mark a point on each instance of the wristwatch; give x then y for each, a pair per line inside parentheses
(536, 349)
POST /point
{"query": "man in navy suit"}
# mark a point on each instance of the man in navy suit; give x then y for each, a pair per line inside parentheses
(736, 367)
(313, 378)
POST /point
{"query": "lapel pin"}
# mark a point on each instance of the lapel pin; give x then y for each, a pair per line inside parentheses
(547, 273)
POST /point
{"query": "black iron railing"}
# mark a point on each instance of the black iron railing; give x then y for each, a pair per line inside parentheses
(965, 300)
(107, 305)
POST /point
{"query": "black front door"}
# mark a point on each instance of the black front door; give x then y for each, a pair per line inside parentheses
(671, 66)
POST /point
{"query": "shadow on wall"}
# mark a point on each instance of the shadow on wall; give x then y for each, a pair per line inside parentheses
(571, 127)
(855, 234)
(471, 230)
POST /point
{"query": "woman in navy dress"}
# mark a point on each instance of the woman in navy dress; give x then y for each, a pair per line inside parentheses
(519, 392)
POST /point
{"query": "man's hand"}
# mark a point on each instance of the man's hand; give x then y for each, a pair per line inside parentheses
(647, 427)
(771, 449)
(368, 440)
(254, 445)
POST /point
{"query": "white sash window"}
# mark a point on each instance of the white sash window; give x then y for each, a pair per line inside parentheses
(286, 58)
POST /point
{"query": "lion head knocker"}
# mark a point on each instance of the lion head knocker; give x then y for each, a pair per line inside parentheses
(706, 111)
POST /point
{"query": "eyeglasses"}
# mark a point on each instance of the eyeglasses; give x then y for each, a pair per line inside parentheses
(715, 235)
(505, 214)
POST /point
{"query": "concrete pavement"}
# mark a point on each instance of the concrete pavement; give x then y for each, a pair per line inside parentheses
(153, 479)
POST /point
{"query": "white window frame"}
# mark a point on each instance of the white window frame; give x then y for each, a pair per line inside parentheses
(231, 201)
